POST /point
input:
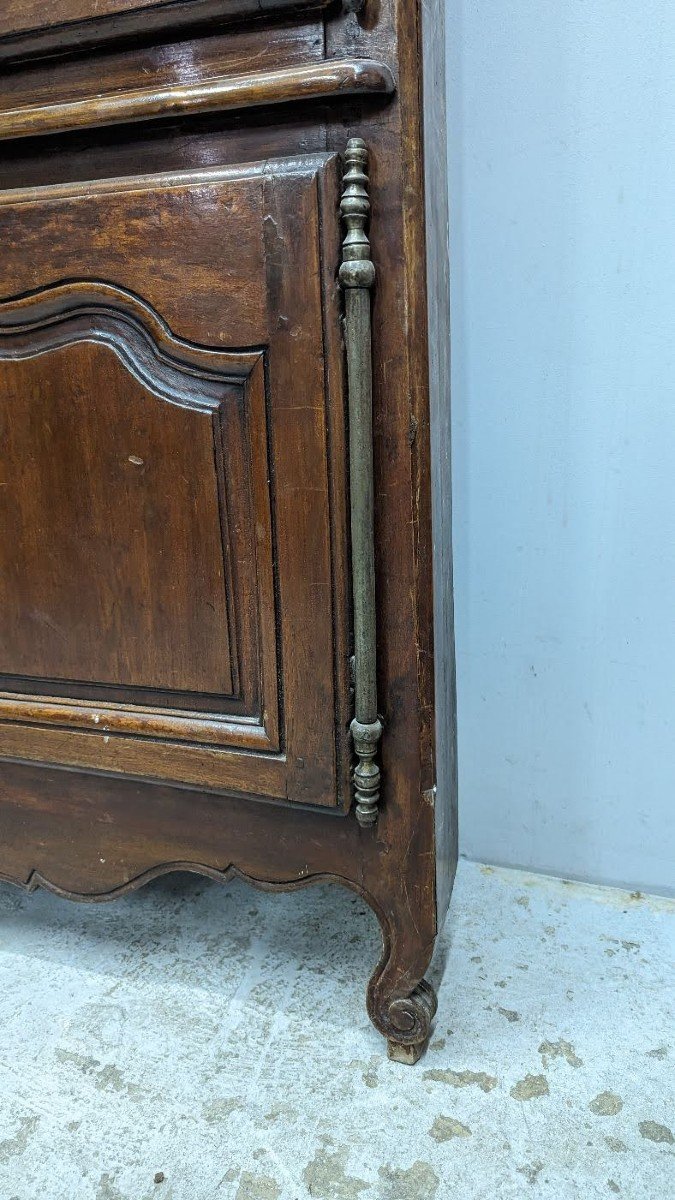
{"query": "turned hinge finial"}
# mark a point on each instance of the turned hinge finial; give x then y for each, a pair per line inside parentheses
(357, 270)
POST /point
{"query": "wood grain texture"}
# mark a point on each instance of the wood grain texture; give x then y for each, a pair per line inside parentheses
(120, 581)
(39, 27)
(166, 494)
(239, 51)
(69, 833)
(230, 93)
(115, 488)
(438, 304)
(56, 825)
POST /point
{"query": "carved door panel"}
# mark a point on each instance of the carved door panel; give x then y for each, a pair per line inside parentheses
(172, 480)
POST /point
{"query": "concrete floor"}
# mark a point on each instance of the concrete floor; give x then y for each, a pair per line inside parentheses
(194, 1041)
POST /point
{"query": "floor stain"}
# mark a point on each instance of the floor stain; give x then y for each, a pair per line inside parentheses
(606, 1104)
(613, 1186)
(559, 1049)
(419, 1182)
(509, 1013)
(531, 1171)
(439, 1044)
(285, 1111)
(616, 1145)
(257, 1187)
(220, 1110)
(10, 1147)
(444, 1129)
(629, 947)
(656, 1133)
(530, 1087)
(83, 1062)
(460, 1079)
(326, 1176)
(523, 901)
(106, 1078)
(111, 1079)
(107, 1190)
(660, 1052)
(368, 1069)
(370, 1077)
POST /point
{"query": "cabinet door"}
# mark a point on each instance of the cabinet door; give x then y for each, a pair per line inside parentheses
(172, 512)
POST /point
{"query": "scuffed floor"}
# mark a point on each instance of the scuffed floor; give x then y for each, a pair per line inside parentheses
(193, 1041)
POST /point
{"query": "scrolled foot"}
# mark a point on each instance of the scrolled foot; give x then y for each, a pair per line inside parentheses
(405, 1021)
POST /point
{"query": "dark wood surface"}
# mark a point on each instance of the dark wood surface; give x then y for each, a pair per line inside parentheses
(145, 475)
(39, 27)
(117, 571)
(218, 93)
(228, 278)
(438, 302)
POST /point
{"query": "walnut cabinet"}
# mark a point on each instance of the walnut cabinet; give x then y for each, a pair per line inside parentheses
(224, 420)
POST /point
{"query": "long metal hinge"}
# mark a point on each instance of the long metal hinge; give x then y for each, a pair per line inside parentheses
(357, 276)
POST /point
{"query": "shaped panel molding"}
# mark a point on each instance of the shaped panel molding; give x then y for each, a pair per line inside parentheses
(133, 576)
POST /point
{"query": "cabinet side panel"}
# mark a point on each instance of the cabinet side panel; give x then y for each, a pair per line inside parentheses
(436, 205)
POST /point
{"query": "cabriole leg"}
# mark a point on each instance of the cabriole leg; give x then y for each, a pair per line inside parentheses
(401, 1003)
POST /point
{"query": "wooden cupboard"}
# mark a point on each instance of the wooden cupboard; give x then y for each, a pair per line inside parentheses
(223, 401)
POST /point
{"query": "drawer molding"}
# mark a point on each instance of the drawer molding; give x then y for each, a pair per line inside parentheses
(357, 276)
(68, 26)
(224, 93)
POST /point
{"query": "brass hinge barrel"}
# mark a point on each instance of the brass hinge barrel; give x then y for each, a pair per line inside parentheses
(357, 276)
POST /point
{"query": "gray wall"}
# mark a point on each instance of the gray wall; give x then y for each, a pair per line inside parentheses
(562, 184)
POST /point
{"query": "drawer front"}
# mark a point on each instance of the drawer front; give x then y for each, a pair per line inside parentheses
(34, 27)
(173, 467)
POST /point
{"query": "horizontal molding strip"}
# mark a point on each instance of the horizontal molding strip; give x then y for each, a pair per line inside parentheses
(109, 719)
(328, 80)
(37, 27)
